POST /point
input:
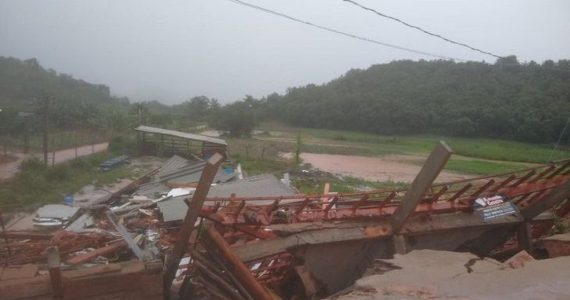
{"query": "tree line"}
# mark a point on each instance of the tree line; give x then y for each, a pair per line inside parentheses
(527, 102)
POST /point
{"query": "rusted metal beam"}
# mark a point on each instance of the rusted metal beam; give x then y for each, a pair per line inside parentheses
(423, 181)
(219, 281)
(238, 267)
(183, 238)
(554, 196)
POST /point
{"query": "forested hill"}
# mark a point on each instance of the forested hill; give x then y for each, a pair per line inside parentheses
(23, 81)
(529, 102)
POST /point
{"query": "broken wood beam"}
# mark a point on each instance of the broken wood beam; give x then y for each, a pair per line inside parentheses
(194, 208)
(240, 270)
(423, 181)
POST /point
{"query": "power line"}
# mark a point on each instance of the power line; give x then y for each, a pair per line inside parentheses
(421, 29)
(559, 139)
(350, 35)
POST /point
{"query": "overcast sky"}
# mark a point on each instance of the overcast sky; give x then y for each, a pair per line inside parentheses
(173, 50)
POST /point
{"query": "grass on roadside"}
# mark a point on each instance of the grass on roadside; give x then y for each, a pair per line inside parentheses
(37, 183)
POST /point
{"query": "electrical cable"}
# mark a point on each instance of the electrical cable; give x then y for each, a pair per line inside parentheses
(421, 29)
(354, 36)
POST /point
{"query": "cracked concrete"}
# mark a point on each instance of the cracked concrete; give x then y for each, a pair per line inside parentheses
(430, 274)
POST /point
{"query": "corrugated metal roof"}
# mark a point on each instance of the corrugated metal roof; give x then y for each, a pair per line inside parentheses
(174, 209)
(178, 170)
(255, 186)
(57, 211)
(180, 134)
(173, 163)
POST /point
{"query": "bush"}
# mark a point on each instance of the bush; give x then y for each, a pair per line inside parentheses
(80, 164)
(123, 144)
(58, 173)
(33, 164)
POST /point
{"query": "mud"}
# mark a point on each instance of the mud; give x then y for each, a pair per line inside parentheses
(397, 168)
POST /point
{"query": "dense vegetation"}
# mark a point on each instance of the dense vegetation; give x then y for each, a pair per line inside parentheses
(26, 87)
(527, 102)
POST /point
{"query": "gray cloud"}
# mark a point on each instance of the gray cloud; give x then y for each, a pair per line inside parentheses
(173, 50)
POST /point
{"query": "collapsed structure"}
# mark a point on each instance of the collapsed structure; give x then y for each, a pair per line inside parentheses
(208, 238)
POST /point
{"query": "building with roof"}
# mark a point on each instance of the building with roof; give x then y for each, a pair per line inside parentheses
(166, 142)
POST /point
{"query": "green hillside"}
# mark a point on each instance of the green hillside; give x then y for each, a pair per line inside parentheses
(527, 102)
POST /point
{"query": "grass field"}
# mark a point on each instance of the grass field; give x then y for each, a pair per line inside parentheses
(491, 149)
(476, 156)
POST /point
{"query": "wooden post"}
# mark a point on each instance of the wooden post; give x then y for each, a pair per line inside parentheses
(238, 268)
(45, 133)
(524, 237)
(54, 262)
(423, 181)
(5, 237)
(194, 208)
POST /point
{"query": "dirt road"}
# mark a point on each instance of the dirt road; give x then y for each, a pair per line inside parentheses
(8, 170)
(398, 168)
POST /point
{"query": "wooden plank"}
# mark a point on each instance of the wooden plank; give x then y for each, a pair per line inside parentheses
(321, 233)
(194, 208)
(330, 235)
(423, 181)
(238, 268)
(555, 196)
(97, 252)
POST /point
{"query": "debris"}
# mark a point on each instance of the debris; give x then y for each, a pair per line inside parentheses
(557, 245)
(53, 216)
(519, 260)
(114, 162)
(258, 237)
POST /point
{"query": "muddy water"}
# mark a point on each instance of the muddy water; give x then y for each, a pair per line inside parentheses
(399, 168)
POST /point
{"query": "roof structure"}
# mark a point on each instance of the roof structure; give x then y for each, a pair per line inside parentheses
(182, 135)
(57, 211)
(174, 209)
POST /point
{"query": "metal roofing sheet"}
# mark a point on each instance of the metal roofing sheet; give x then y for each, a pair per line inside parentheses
(255, 186)
(180, 134)
(57, 211)
(174, 209)
(173, 163)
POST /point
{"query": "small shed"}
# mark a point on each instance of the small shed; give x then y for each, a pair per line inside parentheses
(166, 142)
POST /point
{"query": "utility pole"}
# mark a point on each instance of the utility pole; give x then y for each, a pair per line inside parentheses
(45, 121)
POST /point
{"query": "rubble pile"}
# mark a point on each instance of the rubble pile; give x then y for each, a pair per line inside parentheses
(195, 230)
